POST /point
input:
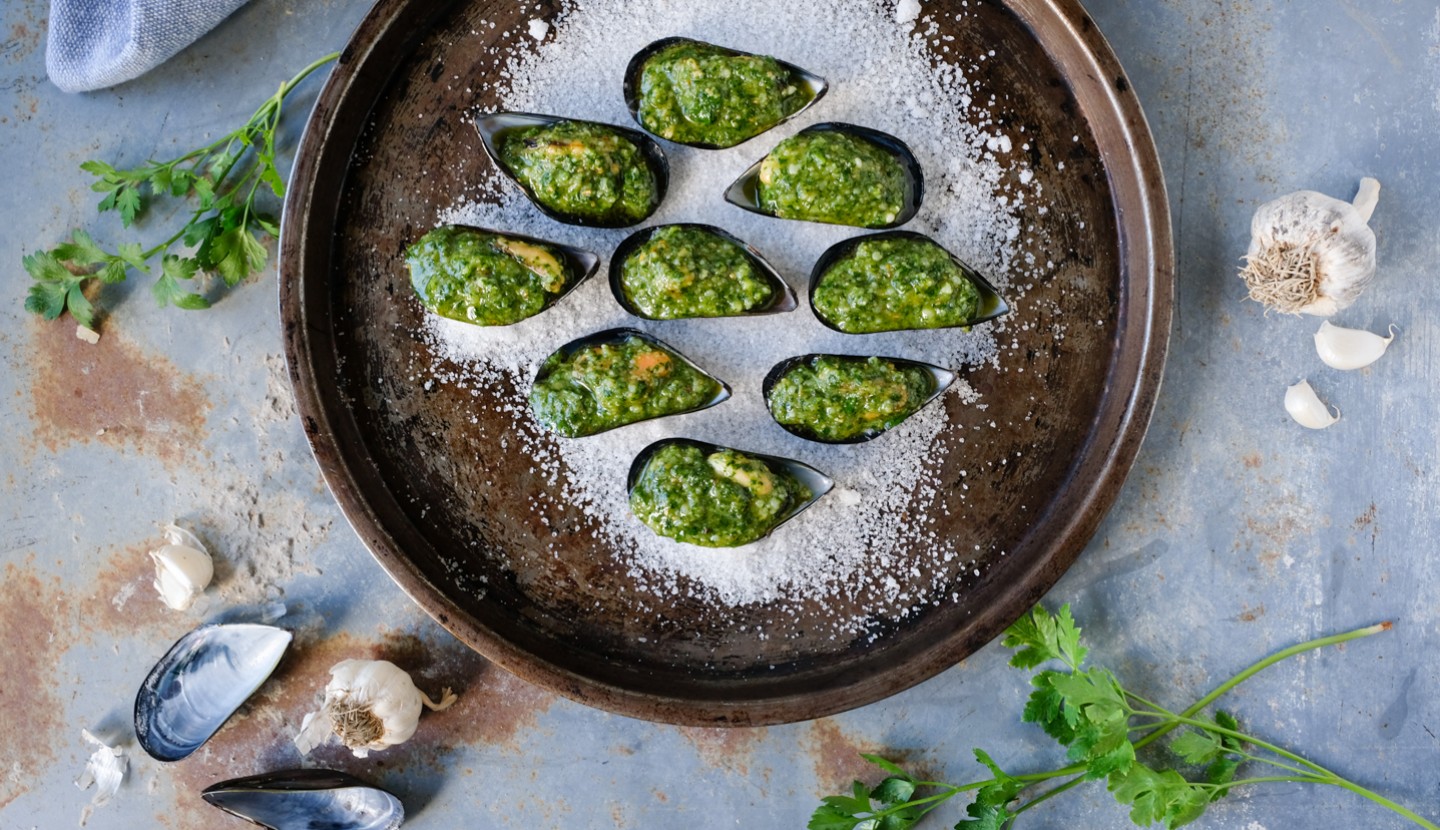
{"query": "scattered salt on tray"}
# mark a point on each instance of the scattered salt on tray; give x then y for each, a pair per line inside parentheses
(881, 77)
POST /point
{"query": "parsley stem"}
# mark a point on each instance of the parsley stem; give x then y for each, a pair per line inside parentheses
(1256, 668)
(1049, 794)
(1385, 802)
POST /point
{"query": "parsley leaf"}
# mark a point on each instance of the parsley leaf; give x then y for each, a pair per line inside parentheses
(1038, 637)
(224, 177)
(1158, 797)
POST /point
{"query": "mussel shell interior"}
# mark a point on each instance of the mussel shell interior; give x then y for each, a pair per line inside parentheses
(992, 305)
(817, 85)
(744, 192)
(943, 379)
(782, 300)
(303, 799)
(494, 126)
(199, 684)
(818, 482)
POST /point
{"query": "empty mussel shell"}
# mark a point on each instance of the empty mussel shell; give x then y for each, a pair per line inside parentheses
(940, 380)
(559, 418)
(744, 192)
(449, 288)
(810, 88)
(495, 128)
(199, 684)
(815, 481)
(991, 304)
(307, 799)
(782, 298)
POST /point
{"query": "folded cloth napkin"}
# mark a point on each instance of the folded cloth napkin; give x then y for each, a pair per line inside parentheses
(100, 43)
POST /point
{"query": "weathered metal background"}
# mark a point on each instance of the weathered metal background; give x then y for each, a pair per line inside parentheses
(1237, 534)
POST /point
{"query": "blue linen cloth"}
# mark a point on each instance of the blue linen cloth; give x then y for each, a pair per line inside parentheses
(99, 43)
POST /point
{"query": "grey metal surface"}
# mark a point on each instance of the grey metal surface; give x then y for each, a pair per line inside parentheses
(1237, 534)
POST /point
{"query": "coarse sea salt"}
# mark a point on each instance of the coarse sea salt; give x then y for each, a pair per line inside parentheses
(880, 76)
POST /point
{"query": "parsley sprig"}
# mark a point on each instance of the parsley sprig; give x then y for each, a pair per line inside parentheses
(1103, 727)
(224, 231)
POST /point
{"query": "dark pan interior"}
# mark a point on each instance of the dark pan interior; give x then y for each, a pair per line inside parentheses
(410, 469)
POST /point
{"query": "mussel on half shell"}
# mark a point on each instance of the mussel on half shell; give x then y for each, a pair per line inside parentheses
(807, 88)
(748, 191)
(940, 379)
(564, 395)
(497, 127)
(640, 477)
(782, 298)
(988, 302)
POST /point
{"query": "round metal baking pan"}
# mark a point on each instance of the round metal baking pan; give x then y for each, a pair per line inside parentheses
(410, 469)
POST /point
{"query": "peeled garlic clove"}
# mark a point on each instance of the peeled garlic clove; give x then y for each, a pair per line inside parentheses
(369, 704)
(1306, 407)
(1343, 348)
(182, 568)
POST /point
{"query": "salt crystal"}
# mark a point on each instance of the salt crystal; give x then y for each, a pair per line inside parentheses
(906, 11)
(539, 29)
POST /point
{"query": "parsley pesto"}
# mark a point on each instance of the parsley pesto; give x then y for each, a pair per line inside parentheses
(588, 172)
(682, 271)
(489, 279)
(835, 176)
(890, 282)
(714, 496)
(696, 93)
(835, 398)
(617, 379)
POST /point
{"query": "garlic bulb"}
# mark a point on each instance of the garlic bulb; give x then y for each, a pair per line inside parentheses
(1311, 254)
(1306, 408)
(1343, 348)
(369, 704)
(182, 568)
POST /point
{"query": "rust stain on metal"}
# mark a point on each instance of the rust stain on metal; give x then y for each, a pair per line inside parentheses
(31, 610)
(836, 756)
(1251, 614)
(727, 749)
(114, 393)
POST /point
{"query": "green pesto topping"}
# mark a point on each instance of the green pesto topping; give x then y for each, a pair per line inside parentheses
(606, 385)
(841, 398)
(695, 93)
(832, 176)
(719, 499)
(485, 278)
(897, 283)
(589, 171)
(691, 272)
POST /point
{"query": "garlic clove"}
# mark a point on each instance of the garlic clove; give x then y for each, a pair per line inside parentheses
(183, 568)
(1310, 253)
(1343, 348)
(1306, 407)
(105, 770)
